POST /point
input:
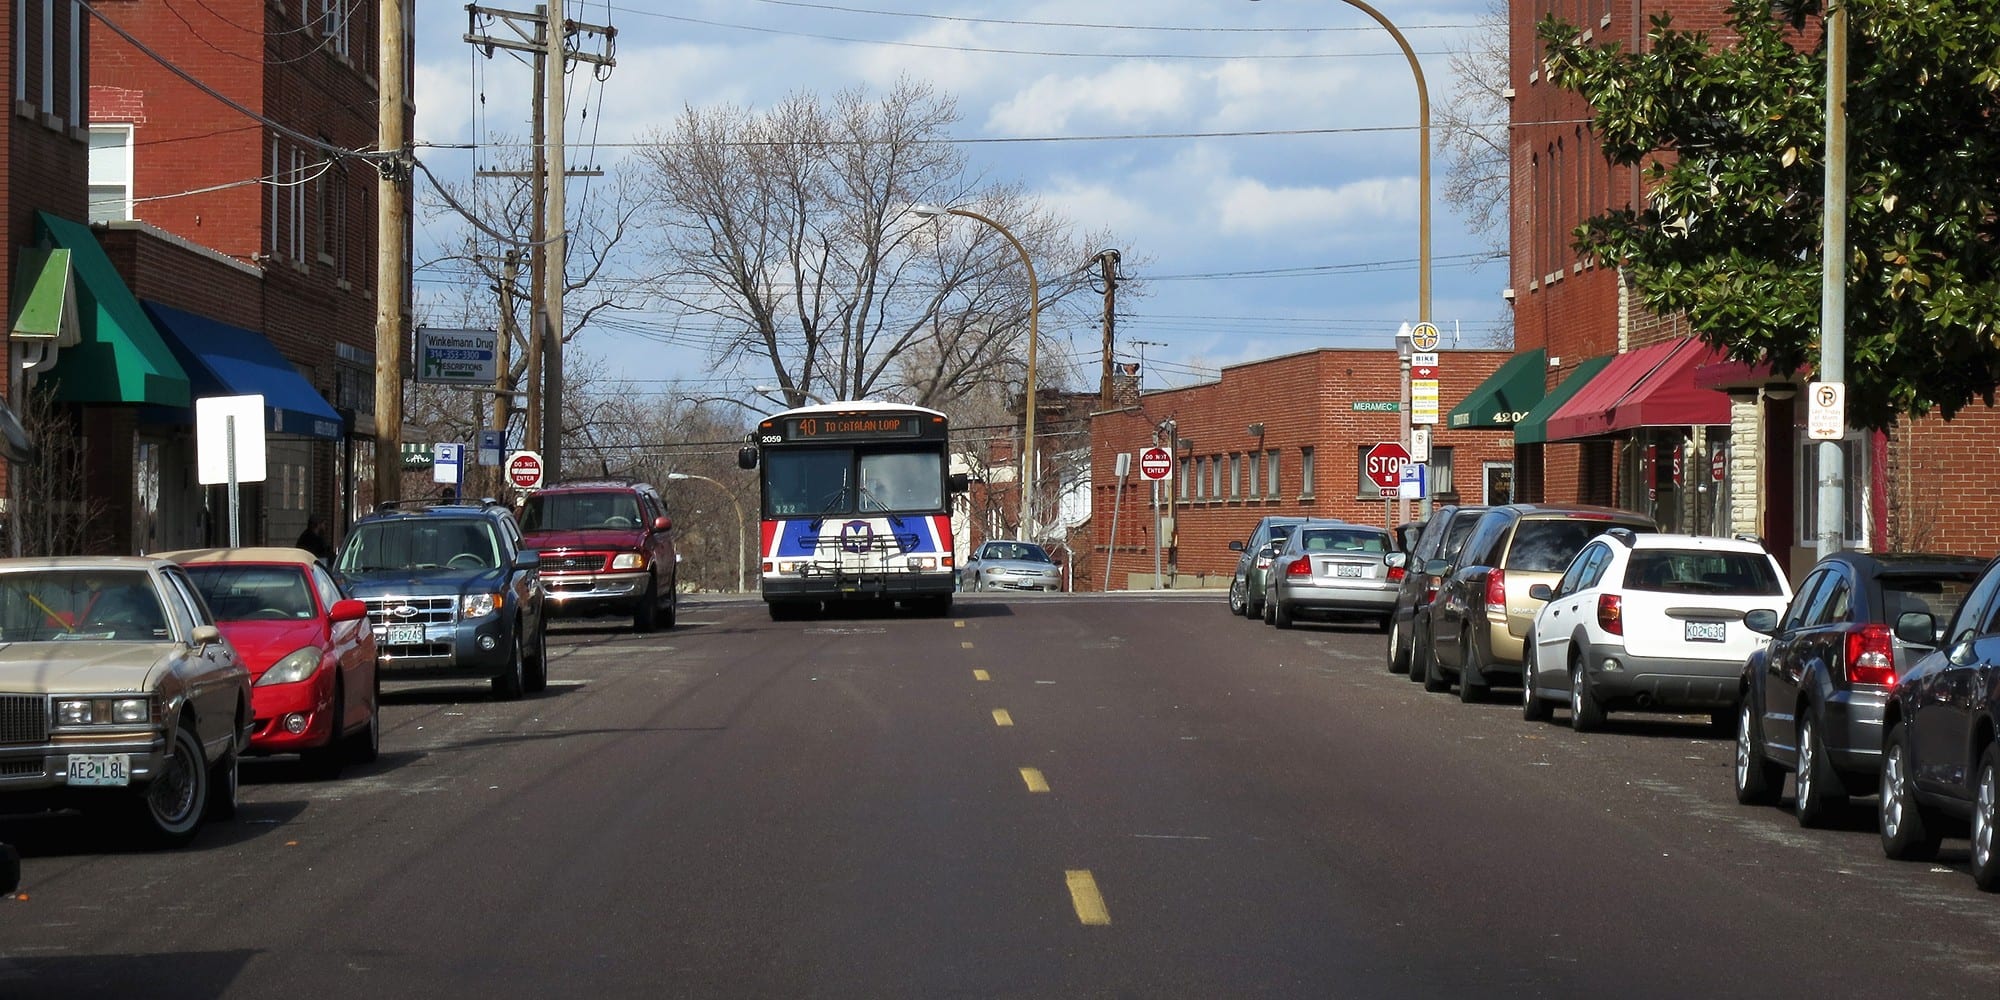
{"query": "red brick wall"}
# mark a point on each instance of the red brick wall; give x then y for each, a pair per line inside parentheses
(1939, 484)
(1302, 400)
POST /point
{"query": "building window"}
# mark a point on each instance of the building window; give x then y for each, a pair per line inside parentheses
(296, 246)
(1306, 471)
(1186, 473)
(1256, 460)
(1271, 473)
(1854, 472)
(1215, 477)
(335, 16)
(1499, 487)
(1439, 478)
(1235, 475)
(110, 173)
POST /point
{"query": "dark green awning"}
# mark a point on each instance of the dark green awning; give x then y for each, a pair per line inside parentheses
(1534, 428)
(1506, 396)
(120, 358)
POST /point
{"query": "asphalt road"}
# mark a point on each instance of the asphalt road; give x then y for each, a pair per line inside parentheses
(1034, 797)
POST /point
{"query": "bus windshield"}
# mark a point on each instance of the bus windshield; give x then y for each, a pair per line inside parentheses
(816, 481)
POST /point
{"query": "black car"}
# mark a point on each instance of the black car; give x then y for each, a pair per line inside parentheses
(1442, 537)
(1940, 754)
(1246, 590)
(451, 592)
(1811, 700)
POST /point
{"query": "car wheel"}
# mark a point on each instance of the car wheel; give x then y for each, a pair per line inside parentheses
(1419, 653)
(671, 614)
(1399, 657)
(511, 682)
(1235, 599)
(1472, 686)
(1819, 791)
(172, 804)
(1434, 675)
(1909, 830)
(1281, 616)
(1584, 712)
(365, 746)
(1265, 610)
(1533, 708)
(1757, 778)
(1986, 853)
(535, 672)
(225, 780)
(646, 616)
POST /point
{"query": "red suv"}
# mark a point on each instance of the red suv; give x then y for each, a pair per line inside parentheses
(607, 547)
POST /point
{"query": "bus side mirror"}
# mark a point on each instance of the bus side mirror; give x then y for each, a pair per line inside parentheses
(959, 482)
(746, 457)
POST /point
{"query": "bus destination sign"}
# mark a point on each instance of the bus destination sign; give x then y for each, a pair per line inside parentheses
(852, 427)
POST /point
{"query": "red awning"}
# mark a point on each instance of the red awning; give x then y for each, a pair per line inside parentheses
(1651, 387)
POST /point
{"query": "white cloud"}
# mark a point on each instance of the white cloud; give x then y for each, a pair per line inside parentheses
(1248, 206)
(1125, 94)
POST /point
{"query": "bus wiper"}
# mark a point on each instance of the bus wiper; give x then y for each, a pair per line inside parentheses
(838, 499)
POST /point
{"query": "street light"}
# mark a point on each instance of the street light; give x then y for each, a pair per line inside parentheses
(1034, 319)
(742, 543)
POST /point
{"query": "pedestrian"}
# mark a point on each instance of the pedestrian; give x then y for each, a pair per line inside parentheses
(313, 539)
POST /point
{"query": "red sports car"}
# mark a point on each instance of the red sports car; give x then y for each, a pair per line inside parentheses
(310, 652)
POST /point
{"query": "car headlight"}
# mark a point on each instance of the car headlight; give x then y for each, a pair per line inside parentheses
(295, 667)
(103, 711)
(481, 605)
(629, 560)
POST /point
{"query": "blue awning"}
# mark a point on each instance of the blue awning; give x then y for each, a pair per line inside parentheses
(224, 360)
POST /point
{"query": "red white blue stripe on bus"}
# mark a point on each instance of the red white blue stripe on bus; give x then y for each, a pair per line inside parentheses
(916, 534)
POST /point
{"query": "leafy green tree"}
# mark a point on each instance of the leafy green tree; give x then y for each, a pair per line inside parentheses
(1729, 133)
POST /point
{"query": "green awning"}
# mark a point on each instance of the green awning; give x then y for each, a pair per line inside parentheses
(120, 357)
(1506, 395)
(1534, 427)
(44, 306)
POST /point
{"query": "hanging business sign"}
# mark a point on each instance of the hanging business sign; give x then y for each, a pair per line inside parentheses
(458, 357)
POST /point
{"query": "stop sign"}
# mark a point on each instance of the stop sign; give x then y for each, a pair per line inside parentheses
(524, 470)
(1156, 464)
(1385, 464)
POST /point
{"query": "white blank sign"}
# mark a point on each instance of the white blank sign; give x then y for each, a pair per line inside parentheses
(211, 438)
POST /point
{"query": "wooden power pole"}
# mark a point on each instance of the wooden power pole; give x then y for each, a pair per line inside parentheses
(1108, 261)
(392, 250)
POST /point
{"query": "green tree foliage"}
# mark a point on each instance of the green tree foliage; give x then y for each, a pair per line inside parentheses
(1729, 133)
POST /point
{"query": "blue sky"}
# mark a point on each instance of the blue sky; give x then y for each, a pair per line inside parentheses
(1249, 246)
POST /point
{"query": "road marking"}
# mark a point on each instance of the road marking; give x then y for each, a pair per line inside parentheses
(958, 624)
(981, 675)
(1089, 903)
(965, 645)
(1035, 781)
(1001, 718)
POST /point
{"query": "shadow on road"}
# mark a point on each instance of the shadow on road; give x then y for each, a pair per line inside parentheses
(167, 976)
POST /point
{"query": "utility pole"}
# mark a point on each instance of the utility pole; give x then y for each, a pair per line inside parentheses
(392, 247)
(503, 398)
(1108, 261)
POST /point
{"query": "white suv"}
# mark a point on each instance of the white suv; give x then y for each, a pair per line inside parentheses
(1651, 623)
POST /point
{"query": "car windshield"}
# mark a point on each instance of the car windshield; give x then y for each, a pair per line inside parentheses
(1021, 551)
(1350, 540)
(1684, 571)
(80, 604)
(420, 543)
(238, 593)
(1546, 545)
(580, 511)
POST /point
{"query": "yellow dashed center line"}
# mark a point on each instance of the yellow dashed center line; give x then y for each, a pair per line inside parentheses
(981, 675)
(1035, 781)
(1088, 901)
(1001, 718)
(965, 645)
(958, 624)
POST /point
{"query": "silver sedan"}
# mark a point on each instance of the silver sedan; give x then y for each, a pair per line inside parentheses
(1335, 570)
(1011, 565)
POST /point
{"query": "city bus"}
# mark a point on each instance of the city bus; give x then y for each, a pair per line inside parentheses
(856, 504)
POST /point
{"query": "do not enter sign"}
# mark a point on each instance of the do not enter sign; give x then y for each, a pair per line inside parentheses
(1385, 464)
(524, 470)
(1156, 464)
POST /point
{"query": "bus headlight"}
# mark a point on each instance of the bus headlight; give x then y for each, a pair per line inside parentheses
(924, 562)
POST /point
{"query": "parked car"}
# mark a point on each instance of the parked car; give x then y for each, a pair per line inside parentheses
(1007, 564)
(116, 687)
(1811, 701)
(607, 548)
(1940, 752)
(1649, 623)
(311, 655)
(1333, 570)
(1407, 534)
(1443, 535)
(1483, 610)
(450, 593)
(1247, 586)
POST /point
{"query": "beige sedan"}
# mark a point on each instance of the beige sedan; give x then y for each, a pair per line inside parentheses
(117, 689)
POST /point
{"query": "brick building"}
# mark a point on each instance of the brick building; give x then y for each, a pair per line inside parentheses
(1634, 411)
(1282, 436)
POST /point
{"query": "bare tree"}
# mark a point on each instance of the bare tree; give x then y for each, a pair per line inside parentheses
(791, 232)
(1472, 131)
(56, 516)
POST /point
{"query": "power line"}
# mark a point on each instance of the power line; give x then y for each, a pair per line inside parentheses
(1088, 26)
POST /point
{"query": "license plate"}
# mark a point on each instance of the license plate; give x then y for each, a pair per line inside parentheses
(100, 769)
(1705, 631)
(1347, 571)
(404, 635)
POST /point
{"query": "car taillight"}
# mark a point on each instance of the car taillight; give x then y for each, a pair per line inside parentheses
(1871, 655)
(1299, 567)
(1496, 593)
(1611, 613)
(1397, 573)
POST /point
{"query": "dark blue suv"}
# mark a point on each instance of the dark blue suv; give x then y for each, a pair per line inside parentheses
(450, 593)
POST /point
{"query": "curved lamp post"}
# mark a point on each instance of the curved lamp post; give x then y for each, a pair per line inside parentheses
(1034, 317)
(742, 545)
